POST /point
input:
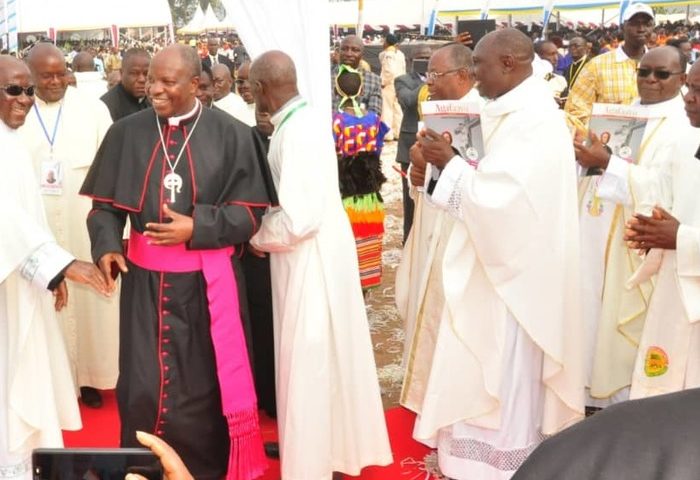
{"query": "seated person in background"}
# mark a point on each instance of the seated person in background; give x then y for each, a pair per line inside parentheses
(359, 137)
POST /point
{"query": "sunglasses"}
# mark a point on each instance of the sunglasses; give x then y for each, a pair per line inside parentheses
(658, 74)
(16, 90)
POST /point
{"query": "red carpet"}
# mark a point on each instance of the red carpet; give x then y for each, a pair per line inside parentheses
(101, 430)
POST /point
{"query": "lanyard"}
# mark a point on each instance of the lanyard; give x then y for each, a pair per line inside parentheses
(52, 138)
(291, 112)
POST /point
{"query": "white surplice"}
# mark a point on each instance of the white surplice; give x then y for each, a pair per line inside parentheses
(419, 295)
(627, 189)
(329, 409)
(668, 358)
(90, 322)
(91, 83)
(235, 106)
(508, 366)
(37, 396)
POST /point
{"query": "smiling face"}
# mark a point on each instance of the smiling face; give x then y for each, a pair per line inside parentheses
(243, 85)
(692, 98)
(655, 90)
(48, 70)
(171, 86)
(14, 109)
(205, 90)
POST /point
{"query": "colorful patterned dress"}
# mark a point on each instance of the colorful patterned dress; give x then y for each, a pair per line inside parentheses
(358, 143)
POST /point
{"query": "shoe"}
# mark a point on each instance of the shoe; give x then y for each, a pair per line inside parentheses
(90, 397)
(272, 450)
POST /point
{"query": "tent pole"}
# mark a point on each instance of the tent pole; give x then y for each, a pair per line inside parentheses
(510, 19)
(687, 14)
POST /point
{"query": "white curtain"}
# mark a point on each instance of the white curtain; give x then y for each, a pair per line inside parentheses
(299, 28)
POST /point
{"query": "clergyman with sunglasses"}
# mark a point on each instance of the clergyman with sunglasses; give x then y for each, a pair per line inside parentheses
(32, 268)
(630, 188)
(611, 77)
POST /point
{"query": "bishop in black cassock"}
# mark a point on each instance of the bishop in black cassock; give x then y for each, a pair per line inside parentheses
(168, 382)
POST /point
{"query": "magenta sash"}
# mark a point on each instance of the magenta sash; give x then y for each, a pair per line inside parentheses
(247, 457)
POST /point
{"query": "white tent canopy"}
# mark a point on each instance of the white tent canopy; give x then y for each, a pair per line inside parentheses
(75, 15)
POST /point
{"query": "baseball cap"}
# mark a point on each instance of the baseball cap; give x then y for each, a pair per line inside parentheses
(636, 8)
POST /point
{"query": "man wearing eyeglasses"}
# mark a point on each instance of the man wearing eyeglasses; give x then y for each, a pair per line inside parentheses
(506, 365)
(617, 313)
(63, 131)
(611, 77)
(37, 393)
(672, 245)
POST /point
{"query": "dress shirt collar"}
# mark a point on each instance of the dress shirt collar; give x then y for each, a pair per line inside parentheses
(176, 121)
(280, 114)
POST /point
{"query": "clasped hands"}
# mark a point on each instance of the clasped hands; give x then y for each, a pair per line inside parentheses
(656, 231)
(430, 147)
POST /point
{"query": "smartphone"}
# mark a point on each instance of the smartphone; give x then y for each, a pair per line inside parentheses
(94, 463)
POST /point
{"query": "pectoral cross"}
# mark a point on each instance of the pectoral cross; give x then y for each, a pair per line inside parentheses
(173, 182)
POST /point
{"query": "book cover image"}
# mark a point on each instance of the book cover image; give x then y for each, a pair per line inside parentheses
(620, 128)
(460, 123)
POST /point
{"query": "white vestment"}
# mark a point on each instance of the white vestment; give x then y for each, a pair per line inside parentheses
(91, 83)
(507, 367)
(419, 295)
(235, 106)
(393, 63)
(627, 189)
(668, 358)
(329, 408)
(90, 322)
(37, 396)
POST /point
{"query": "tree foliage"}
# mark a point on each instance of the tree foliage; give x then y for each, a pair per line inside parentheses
(183, 10)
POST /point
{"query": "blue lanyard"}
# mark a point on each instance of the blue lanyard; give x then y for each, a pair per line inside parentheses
(52, 138)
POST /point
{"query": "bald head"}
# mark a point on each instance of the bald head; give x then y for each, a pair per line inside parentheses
(48, 68)
(273, 80)
(83, 62)
(14, 108)
(173, 80)
(502, 60)
(221, 77)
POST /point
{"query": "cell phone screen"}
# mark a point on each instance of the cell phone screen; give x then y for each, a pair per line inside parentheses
(94, 464)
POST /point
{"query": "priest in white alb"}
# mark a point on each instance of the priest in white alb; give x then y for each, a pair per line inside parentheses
(629, 187)
(37, 397)
(507, 368)
(329, 408)
(668, 359)
(63, 131)
(419, 295)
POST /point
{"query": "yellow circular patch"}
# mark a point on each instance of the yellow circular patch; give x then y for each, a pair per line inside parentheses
(656, 362)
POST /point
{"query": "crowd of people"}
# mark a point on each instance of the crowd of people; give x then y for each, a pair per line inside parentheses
(232, 228)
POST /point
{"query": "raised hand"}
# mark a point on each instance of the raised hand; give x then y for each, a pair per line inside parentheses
(173, 467)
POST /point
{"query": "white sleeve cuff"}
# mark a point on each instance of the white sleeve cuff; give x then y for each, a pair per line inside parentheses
(448, 181)
(44, 264)
(614, 184)
(688, 251)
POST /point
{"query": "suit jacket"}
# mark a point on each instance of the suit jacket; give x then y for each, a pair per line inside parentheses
(221, 58)
(407, 87)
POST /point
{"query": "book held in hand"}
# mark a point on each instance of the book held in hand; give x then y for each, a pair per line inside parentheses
(460, 123)
(620, 128)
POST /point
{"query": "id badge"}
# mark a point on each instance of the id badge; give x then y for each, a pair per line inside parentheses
(51, 177)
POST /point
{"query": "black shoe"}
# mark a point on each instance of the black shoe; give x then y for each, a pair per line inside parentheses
(272, 450)
(90, 397)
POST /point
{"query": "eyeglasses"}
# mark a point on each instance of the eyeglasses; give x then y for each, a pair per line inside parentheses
(432, 76)
(658, 74)
(16, 90)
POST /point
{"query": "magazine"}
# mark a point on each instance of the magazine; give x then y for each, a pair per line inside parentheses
(620, 128)
(460, 123)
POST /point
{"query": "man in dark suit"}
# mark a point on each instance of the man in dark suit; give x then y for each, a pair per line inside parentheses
(408, 87)
(214, 57)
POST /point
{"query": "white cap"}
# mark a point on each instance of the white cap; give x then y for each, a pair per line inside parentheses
(636, 8)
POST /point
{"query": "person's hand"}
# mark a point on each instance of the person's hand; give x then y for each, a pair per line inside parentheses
(173, 233)
(254, 251)
(657, 231)
(591, 154)
(436, 149)
(465, 38)
(88, 274)
(61, 294)
(105, 263)
(173, 467)
(417, 171)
